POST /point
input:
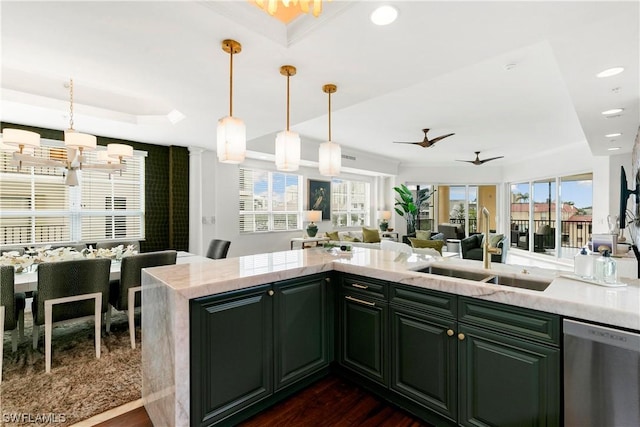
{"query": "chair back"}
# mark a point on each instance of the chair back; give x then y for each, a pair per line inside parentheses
(69, 278)
(131, 274)
(390, 245)
(108, 244)
(7, 298)
(218, 249)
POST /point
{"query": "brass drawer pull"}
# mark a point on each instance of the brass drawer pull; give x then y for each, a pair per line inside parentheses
(359, 286)
(271, 292)
(461, 336)
(371, 304)
(450, 332)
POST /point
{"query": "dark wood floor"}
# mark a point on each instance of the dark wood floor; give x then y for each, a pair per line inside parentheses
(332, 401)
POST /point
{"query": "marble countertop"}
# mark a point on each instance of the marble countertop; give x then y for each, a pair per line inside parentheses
(613, 306)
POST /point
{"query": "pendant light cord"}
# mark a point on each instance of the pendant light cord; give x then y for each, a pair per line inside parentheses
(70, 104)
(329, 116)
(288, 77)
(231, 83)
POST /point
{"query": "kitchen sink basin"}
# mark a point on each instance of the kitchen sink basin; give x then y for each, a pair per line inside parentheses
(460, 274)
(518, 282)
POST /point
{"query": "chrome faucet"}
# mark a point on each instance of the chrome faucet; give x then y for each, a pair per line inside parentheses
(486, 250)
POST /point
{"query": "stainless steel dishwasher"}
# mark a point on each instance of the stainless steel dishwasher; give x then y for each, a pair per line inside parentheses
(601, 376)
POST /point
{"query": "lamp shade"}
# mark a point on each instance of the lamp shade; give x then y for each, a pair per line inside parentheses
(232, 140)
(19, 137)
(118, 151)
(313, 216)
(287, 151)
(103, 156)
(73, 139)
(386, 215)
(330, 158)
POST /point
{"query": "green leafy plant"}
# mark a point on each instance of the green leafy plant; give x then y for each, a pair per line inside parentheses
(408, 206)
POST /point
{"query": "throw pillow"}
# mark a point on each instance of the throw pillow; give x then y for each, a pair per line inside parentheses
(370, 235)
(494, 239)
(348, 238)
(434, 244)
(423, 234)
(332, 235)
(438, 236)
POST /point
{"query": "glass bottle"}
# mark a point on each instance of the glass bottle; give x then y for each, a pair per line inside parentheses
(606, 269)
(583, 264)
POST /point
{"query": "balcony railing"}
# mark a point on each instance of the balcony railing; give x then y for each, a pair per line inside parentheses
(574, 234)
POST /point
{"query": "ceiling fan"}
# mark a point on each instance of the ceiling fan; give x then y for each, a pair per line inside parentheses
(477, 160)
(426, 142)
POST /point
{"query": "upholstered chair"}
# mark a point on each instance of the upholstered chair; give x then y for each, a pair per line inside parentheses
(125, 294)
(70, 290)
(218, 249)
(11, 310)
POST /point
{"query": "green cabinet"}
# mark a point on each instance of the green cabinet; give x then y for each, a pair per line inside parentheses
(231, 353)
(363, 328)
(250, 347)
(473, 362)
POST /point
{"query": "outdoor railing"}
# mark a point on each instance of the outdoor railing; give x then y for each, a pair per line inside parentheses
(574, 234)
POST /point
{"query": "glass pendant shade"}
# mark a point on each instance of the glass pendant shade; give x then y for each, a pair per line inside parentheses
(73, 139)
(232, 140)
(287, 151)
(330, 158)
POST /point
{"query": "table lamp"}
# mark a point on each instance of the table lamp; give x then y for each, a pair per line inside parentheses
(385, 216)
(312, 216)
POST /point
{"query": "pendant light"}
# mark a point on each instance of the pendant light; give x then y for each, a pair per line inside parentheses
(77, 140)
(232, 133)
(329, 154)
(287, 142)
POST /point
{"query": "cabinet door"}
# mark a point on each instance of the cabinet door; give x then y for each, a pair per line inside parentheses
(231, 353)
(301, 329)
(424, 359)
(362, 336)
(506, 381)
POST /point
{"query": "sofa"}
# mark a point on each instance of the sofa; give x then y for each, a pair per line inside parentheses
(354, 238)
(472, 247)
(451, 231)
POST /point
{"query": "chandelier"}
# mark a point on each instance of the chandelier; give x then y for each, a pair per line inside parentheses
(271, 6)
(287, 142)
(22, 144)
(329, 153)
(231, 132)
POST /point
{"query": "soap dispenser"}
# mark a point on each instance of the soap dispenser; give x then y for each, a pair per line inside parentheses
(605, 268)
(583, 264)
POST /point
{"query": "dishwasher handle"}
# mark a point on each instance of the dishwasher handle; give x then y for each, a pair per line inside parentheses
(603, 334)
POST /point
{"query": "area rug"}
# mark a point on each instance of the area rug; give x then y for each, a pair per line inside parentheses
(79, 385)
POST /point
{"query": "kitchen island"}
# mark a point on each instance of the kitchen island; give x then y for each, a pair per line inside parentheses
(169, 291)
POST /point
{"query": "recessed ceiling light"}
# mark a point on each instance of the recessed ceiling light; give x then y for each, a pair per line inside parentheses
(613, 111)
(610, 72)
(613, 148)
(612, 135)
(384, 15)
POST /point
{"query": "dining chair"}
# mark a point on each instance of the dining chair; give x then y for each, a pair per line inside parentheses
(65, 292)
(11, 310)
(125, 294)
(218, 249)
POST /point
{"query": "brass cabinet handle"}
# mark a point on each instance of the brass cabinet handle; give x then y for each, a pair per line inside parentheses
(359, 286)
(271, 292)
(327, 279)
(371, 304)
(450, 332)
(461, 336)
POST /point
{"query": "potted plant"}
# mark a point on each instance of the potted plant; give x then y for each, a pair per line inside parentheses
(408, 207)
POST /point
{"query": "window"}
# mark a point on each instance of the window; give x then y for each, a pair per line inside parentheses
(350, 203)
(37, 207)
(269, 201)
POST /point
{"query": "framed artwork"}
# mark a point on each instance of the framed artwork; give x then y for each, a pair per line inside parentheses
(319, 193)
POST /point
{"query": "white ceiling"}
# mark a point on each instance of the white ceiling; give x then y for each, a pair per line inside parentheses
(441, 65)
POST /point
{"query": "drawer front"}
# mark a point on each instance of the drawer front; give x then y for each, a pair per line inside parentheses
(440, 303)
(365, 286)
(517, 321)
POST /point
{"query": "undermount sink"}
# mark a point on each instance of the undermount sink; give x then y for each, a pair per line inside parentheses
(516, 282)
(460, 274)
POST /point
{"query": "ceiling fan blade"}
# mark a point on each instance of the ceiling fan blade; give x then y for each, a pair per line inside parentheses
(491, 158)
(467, 161)
(406, 142)
(434, 140)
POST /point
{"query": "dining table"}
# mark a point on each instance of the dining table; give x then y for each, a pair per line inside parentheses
(28, 281)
